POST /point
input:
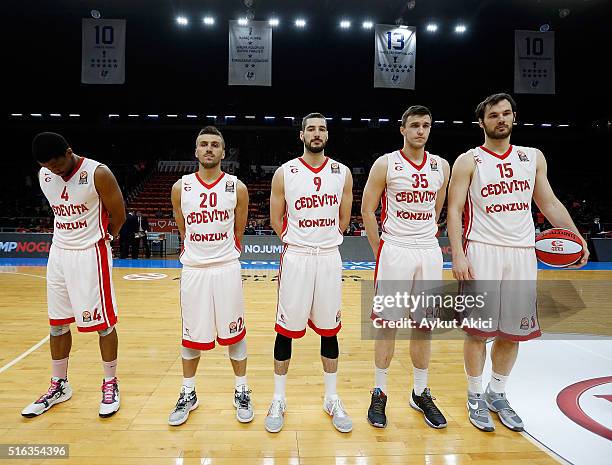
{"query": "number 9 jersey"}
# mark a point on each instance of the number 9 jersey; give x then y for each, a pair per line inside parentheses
(313, 196)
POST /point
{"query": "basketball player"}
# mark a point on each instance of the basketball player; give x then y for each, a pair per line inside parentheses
(88, 208)
(210, 209)
(310, 206)
(412, 185)
(495, 184)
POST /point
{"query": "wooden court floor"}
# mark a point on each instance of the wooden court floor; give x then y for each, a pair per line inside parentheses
(150, 379)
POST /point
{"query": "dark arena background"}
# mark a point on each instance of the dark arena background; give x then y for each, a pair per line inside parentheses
(175, 61)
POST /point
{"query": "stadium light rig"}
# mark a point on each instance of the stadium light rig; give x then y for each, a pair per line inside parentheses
(300, 22)
(182, 20)
(460, 28)
(367, 24)
(345, 24)
(432, 27)
(208, 20)
(274, 22)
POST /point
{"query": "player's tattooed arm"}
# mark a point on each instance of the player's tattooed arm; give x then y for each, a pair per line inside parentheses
(441, 196)
(457, 194)
(372, 192)
(346, 204)
(277, 202)
(111, 197)
(552, 208)
(241, 212)
(176, 207)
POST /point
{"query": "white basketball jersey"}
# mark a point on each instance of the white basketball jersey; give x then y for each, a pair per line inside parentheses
(313, 197)
(409, 199)
(208, 210)
(498, 205)
(80, 217)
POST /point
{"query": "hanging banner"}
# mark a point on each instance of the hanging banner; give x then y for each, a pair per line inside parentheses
(534, 62)
(394, 56)
(103, 53)
(250, 54)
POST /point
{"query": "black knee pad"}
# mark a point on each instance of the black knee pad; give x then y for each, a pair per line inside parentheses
(329, 347)
(282, 348)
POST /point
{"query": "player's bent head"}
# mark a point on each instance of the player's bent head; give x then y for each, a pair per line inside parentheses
(415, 110)
(492, 100)
(313, 116)
(49, 145)
(210, 131)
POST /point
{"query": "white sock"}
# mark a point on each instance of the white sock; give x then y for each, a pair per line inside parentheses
(189, 384)
(475, 384)
(498, 383)
(419, 378)
(241, 381)
(279, 386)
(380, 378)
(330, 385)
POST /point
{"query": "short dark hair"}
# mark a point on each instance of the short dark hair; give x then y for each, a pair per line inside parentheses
(212, 130)
(419, 110)
(311, 115)
(48, 145)
(493, 100)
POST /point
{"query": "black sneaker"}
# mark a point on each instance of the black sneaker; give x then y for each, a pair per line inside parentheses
(425, 404)
(376, 412)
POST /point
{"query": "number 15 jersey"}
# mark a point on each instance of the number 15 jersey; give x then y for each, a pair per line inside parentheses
(313, 196)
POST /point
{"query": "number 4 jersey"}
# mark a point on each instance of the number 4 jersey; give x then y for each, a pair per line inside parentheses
(80, 217)
(313, 196)
(498, 205)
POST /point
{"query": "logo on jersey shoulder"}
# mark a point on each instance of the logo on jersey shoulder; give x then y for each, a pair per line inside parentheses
(233, 327)
(186, 186)
(83, 177)
(524, 323)
(433, 164)
(522, 156)
(477, 159)
(335, 168)
(47, 177)
(293, 169)
(398, 166)
(338, 316)
(229, 186)
(86, 316)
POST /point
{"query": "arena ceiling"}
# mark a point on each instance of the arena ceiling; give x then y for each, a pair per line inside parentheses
(169, 68)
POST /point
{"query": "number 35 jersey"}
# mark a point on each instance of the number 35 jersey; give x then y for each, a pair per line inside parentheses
(313, 196)
(498, 205)
(208, 210)
(409, 199)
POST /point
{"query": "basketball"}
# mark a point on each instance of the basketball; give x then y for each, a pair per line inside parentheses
(558, 247)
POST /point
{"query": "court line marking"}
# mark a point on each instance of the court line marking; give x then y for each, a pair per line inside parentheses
(35, 346)
(544, 448)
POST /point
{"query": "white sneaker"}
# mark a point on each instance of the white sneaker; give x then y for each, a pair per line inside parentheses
(276, 416)
(340, 418)
(110, 398)
(59, 391)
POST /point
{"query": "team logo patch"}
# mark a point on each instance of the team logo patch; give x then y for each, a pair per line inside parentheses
(522, 156)
(83, 177)
(229, 186)
(525, 323)
(293, 169)
(86, 316)
(433, 164)
(335, 168)
(233, 327)
(477, 159)
(186, 186)
(338, 316)
(187, 333)
(47, 178)
(398, 166)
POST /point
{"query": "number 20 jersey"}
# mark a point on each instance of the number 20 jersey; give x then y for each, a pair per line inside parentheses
(313, 196)
(208, 210)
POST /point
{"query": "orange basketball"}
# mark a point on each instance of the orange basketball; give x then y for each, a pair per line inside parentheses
(558, 247)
